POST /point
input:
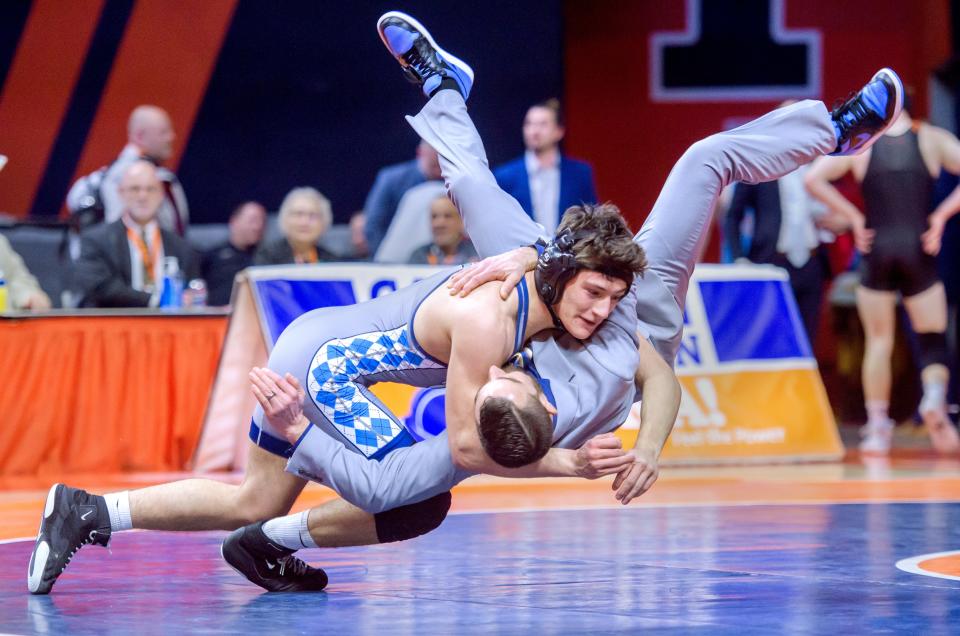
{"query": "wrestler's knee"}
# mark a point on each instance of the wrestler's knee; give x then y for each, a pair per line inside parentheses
(468, 185)
(933, 349)
(413, 520)
(708, 152)
(255, 504)
(267, 490)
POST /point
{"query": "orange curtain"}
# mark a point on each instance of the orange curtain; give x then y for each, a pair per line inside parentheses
(104, 393)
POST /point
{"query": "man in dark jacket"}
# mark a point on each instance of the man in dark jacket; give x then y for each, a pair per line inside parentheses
(221, 264)
(121, 263)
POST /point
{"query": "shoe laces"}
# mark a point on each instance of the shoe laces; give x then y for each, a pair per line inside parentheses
(420, 63)
(87, 540)
(296, 566)
(851, 113)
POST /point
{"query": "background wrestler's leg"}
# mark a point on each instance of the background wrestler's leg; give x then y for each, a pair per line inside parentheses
(928, 316)
(762, 150)
(877, 310)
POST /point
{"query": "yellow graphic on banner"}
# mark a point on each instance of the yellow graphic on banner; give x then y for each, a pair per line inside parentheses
(750, 416)
(396, 397)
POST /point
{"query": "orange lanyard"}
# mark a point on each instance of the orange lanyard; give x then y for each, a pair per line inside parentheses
(308, 257)
(149, 258)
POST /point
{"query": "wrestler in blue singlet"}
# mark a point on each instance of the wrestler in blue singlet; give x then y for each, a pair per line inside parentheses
(338, 353)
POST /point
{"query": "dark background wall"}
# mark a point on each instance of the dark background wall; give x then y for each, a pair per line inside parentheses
(633, 139)
(264, 96)
(268, 96)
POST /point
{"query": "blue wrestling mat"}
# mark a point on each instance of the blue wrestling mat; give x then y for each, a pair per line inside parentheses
(798, 569)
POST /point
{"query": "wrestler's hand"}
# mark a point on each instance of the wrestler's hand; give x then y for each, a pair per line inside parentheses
(281, 400)
(862, 237)
(931, 238)
(602, 455)
(508, 267)
(833, 222)
(638, 478)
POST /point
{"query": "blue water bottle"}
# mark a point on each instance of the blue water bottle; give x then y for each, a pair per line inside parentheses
(171, 294)
(3, 292)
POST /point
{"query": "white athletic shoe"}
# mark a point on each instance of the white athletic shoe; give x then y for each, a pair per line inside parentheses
(877, 437)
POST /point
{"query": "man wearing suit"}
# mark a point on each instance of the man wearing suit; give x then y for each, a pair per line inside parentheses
(544, 181)
(121, 263)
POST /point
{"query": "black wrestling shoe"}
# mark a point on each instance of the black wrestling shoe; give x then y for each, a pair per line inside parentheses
(423, 62)
(865, 116)
(71, 519)
(273, 567)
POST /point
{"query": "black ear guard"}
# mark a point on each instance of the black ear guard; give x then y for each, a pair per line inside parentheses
(556, 266)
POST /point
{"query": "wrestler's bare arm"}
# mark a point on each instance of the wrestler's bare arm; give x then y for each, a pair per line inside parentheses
(508, 267)
(947, 149)
(478, 340)
(482, 337)
(818, 182)
(658, 412)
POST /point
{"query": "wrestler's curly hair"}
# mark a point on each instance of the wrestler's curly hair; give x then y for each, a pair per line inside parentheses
(605, 243)
(514, 435)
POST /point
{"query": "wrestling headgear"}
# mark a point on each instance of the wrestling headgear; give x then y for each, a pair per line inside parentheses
(556, 266)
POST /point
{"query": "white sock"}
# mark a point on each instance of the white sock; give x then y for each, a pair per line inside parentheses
(118, 505)
(934, 396)
(877, 411)
(291, 531)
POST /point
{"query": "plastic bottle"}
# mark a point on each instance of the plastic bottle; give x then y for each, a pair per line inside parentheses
(3, 292)
(195, 294)
(171, 294)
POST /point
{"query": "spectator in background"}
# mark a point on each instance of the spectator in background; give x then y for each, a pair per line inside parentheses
(390, 185)
(450, 246)
(23, 290)
(121, 263)
(545, 181)
(221, 264)
(150, 136)
(305, 215)
(410, 227)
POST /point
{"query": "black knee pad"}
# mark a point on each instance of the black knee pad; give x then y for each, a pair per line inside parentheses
(933, 349)
(407, 522)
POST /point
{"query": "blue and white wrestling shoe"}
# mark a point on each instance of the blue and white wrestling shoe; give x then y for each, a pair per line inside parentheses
(424, 63)
(866, 115)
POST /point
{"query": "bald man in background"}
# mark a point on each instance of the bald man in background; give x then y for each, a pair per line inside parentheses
(450, 244)
(150, 136)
